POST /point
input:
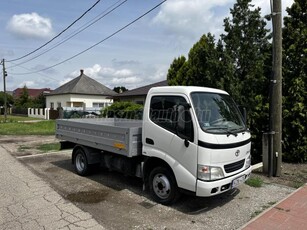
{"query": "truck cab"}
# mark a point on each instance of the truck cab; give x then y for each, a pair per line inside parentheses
(194, 140)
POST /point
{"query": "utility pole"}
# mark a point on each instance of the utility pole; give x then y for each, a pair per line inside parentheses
(276, 94)
(4, 88)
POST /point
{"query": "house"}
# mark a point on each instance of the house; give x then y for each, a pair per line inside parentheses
(138, 95)
(83, 92)
(33, 93)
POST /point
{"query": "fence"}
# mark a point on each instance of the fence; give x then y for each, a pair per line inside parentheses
(39, 113)
(66, 112)
(8, 111)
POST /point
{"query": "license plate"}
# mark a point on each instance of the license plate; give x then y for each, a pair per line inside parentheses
(236, 182)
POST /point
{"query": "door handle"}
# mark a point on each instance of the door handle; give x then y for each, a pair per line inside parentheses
(149, 141)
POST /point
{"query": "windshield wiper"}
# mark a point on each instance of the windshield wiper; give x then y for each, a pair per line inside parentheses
(229, 132)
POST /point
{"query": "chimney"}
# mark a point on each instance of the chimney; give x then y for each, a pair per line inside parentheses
(81, 71)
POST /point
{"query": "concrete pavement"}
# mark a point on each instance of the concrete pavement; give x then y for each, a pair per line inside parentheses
(27, 202)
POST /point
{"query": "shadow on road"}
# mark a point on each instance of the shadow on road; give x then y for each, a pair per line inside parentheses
(116, 181)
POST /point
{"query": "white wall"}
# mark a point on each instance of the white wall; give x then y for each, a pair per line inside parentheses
(67, 100)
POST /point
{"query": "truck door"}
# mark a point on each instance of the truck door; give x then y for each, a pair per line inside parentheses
(171, 133)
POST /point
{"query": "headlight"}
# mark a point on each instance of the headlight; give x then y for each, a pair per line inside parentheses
(248, 161)
(209, 172)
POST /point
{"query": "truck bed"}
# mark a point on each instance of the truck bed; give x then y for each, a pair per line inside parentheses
(121, 136)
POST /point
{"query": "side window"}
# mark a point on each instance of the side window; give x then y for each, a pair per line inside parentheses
(185, 125)
(165, 111)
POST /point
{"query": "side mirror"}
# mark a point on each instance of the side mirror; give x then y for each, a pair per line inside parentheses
(182, 123)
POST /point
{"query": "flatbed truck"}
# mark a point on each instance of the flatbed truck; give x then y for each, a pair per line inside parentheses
(191, 139)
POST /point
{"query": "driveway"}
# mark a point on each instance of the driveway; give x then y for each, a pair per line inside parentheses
(118, 202)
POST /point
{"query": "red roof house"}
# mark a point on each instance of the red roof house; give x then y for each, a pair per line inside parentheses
(33, 93)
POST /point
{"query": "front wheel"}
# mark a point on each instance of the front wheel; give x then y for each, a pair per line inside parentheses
(163, 186)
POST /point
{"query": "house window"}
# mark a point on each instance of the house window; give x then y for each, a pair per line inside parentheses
(51, 105)
(77, 104)
(98, 104)
(59, 105)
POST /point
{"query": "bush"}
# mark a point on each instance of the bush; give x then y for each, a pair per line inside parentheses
(254, 182)
(124, 109)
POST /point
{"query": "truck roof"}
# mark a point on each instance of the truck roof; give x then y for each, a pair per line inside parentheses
(184, 89)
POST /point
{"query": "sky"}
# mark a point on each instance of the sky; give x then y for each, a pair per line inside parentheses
(139, 54)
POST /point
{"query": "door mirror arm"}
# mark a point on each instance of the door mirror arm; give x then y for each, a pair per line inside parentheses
(186, 143)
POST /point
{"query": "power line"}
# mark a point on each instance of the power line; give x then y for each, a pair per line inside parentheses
(81, 29)
(43, 75)
(16, 59)
(113, 34)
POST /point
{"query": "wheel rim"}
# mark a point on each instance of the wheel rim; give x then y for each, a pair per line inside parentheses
(80, 164)
(161, 186)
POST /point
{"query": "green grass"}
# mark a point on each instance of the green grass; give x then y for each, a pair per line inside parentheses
(264, 207)
(256, 213)
(35, 128)
(49, 147)
(22, 148)
(10, 118)
(297, 184)
(254, 182)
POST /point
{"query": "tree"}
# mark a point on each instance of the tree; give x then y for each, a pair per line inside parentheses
(247, 46)
(200, 68)
(172, 75)
(203, 63)
(9, 99)
(246, 43)
(24, 100)
(295, 82)
(120, 89)
(39, 101)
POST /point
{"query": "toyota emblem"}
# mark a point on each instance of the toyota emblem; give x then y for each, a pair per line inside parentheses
(237, 153)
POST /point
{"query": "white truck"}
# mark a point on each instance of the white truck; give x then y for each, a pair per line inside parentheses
(191, 139)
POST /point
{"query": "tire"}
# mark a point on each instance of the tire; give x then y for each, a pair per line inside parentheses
(162, 185)
(80, 163)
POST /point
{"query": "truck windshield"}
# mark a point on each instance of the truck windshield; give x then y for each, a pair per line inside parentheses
(217, 113)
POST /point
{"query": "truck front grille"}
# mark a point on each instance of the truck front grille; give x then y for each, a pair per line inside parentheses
(234, 166)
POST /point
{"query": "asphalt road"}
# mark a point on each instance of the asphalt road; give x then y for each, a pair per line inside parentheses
(118, 202)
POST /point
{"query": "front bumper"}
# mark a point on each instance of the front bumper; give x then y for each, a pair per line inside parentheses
(212, 188)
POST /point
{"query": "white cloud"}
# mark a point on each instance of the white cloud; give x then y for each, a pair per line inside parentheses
(192, 18)
(64, 81)
(30, 26)
(266, 7)
(29, 84)
(126, 81)
(130, 78)
(187, 20)
(109, 76)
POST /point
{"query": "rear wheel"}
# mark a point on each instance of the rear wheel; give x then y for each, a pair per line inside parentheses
(80, 163)
(163, 186)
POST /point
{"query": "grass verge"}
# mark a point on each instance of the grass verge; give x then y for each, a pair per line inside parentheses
(254, 182)
(10, 118)
(49, 147)
(35, 128)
